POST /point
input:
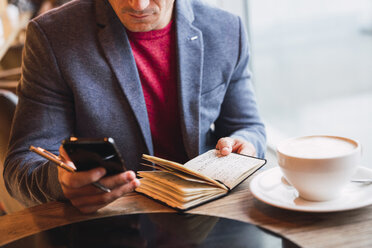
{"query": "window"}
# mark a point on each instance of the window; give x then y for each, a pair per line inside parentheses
(311, 63)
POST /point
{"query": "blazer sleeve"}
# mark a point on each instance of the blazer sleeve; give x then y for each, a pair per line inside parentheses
(239, 115)
(43, 117)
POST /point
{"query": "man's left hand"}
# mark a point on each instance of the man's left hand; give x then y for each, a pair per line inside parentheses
(227, 145)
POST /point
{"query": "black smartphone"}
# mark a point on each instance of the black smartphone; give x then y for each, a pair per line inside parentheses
(89, 153)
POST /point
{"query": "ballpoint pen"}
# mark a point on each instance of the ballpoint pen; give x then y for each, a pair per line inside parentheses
(55, 159)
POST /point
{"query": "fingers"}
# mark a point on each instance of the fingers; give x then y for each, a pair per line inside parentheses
(65, 158)
(110, 182)
(245, 148)
(227, 145)
(83, 195)
(118, 180)
(83, 178)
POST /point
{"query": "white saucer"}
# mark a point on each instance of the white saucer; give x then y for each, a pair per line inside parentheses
(268, 187)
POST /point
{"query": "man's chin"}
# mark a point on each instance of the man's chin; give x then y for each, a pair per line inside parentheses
(140, 28)
(145, 24)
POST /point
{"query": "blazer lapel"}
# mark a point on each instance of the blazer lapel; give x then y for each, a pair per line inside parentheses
(116, 47)
(190, 62)
(112, 36)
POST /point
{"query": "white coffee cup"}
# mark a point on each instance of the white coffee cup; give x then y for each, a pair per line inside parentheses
(319, 167)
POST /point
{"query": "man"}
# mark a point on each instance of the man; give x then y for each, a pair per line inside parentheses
(161, 77)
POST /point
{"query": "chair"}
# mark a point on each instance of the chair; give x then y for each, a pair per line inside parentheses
(8, 102)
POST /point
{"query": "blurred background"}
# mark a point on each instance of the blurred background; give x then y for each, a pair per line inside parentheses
(312, 66)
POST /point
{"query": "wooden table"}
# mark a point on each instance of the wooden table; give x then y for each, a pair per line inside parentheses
(342, 229)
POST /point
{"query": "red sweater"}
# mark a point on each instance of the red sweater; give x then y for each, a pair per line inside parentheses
(156, 59)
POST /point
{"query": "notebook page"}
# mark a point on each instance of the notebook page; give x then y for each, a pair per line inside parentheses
(226, 169)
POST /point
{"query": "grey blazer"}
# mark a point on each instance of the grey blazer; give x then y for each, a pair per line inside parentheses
(79, 78)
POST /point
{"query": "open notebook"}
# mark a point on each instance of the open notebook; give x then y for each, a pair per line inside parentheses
(207, 177)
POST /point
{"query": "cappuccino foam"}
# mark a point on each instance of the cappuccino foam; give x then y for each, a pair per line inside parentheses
(317, 147)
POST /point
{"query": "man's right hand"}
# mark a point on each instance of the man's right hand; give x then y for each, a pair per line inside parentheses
(78, 188)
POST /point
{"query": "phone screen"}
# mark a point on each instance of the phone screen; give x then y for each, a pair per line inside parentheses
(87, 154)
